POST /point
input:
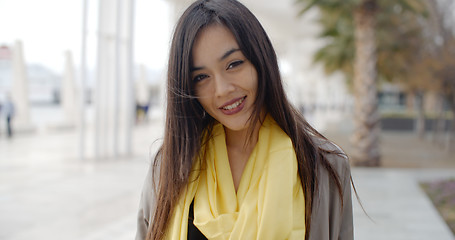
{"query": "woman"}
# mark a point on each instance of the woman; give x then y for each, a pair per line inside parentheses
(238, 161)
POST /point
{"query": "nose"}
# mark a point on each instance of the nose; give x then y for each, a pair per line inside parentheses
(223, 86)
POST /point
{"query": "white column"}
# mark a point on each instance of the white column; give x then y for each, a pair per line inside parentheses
(114, 97)
(19, 93)
(130, 76)
(68, 92)
(83, 78)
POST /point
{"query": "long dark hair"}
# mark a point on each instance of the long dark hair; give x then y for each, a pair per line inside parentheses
(186, 122)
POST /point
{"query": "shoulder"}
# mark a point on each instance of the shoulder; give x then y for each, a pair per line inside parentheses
(146, 205)
(335, 156)
(332, 208)
(149, 191)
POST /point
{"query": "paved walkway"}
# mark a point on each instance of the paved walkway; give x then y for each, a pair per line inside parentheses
(397, 206)
(46, 192)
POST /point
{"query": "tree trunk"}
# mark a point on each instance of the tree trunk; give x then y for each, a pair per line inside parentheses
(420, 117)
(451, 131)
(366, 151)
(451, 138)
(438, 123)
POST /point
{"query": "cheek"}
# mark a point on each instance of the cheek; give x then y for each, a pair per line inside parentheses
(203, 98)
(204, 103)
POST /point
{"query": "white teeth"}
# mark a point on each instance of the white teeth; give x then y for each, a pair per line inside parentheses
(234, 105)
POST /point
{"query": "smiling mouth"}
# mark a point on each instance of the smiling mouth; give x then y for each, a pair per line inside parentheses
(234, 105)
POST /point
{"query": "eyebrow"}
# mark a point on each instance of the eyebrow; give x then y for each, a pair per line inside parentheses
(225, 55)
(229, 53)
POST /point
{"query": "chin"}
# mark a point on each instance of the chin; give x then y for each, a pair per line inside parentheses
(237, 126)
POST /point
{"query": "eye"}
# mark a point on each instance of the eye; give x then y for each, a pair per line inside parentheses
(234, 64)
(199, 78)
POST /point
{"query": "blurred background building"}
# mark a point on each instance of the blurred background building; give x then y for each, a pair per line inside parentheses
(295, 40)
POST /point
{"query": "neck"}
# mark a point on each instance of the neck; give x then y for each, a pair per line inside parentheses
(239, 145)
(242, 139)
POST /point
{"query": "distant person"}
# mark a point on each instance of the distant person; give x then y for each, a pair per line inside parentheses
(142, 99)
(8, 111)
(141, 112)
(238, 161)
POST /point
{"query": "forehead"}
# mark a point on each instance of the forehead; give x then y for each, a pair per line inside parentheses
(212, 42)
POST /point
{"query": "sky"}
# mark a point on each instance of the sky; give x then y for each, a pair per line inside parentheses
(48, 28)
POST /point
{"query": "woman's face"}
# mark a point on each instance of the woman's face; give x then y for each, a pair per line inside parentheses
(225, 81)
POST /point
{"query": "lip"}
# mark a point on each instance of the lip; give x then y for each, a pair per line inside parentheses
(234, 110)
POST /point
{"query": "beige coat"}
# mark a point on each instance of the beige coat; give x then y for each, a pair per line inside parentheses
(330, 220)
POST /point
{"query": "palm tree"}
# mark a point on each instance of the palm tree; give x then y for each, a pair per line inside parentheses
(358, 45)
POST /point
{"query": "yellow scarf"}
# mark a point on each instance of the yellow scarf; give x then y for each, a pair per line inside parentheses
(269, 202)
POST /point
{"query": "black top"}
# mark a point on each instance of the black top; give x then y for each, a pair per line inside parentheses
(193, 231)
